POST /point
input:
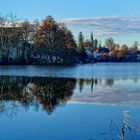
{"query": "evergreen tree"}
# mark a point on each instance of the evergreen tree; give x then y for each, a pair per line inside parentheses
(81, 42)
(92, 42)
(96, 44)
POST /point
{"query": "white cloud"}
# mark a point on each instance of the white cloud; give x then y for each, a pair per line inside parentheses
(103, 26)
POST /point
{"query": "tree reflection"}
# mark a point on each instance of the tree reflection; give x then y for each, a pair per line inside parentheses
(108, 82)
(18, 93)
(21, 93)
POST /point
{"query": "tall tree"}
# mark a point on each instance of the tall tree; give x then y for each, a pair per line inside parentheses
(92, 47)
(54, 40)
(81, 42)
(96, 44)
(26, 30)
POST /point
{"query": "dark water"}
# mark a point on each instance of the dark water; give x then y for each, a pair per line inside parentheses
(41, 108)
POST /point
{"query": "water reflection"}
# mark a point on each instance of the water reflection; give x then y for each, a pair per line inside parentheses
(30, 98)
(107, 91)
(21, 93)
(45, 93)
(109, 82)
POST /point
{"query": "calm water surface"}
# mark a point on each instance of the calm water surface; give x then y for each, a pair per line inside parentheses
(99, 70)
(90, 102)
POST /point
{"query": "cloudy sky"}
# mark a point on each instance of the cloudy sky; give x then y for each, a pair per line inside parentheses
(122, 29)
(117, 18)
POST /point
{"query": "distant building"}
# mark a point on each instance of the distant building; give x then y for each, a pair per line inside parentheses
(46, 58)
(100, 52)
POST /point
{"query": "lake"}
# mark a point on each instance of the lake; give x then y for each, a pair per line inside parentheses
(84, 102)
(97, 70)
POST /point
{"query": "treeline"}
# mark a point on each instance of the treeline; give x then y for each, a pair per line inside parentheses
(45, 42)
(93, 49)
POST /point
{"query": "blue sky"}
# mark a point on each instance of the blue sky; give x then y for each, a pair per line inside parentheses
(81, 9)
(70, 8)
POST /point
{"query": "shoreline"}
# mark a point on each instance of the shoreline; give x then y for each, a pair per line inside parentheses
(82, 63)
